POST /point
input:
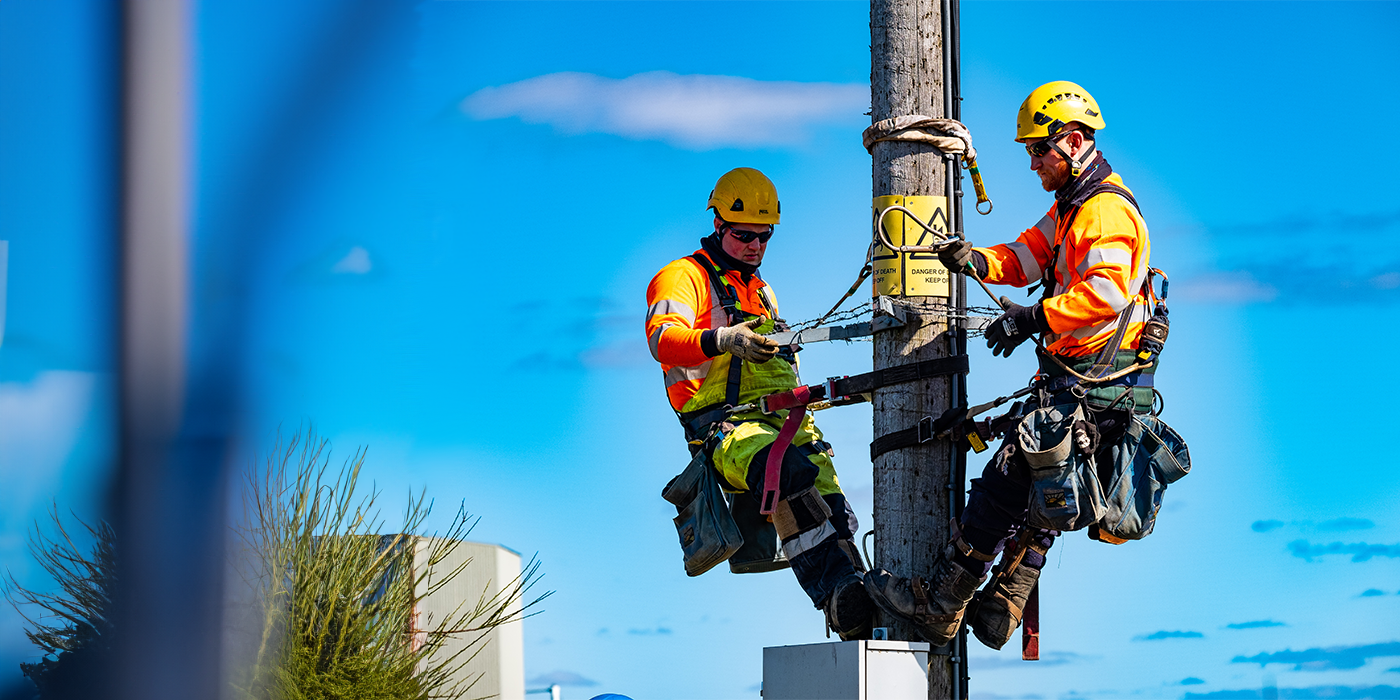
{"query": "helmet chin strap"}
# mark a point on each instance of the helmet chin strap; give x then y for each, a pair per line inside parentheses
(1076, 165)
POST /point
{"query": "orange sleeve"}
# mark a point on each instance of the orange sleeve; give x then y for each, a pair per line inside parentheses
(1021, 263)
(1107, 245)
(673, 298)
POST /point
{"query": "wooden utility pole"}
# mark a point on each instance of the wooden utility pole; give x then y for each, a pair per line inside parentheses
(915, 494)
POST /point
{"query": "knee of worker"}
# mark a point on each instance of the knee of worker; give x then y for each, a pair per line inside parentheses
(799, 470)
(742, 457)
(843, 517)
(1004, 487)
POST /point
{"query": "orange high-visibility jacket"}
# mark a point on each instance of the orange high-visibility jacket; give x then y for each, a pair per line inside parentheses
(1100, 270)
(681, 307)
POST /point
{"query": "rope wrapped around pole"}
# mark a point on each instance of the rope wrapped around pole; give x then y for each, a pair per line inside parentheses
(947, 135)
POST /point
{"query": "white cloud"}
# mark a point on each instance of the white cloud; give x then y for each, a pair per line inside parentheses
(1389, 280)
(355, 262)
(1228, 287)
(690, 111)
(39, 422)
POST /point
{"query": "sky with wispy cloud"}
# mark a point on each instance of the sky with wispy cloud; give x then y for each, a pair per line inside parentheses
(442, 216)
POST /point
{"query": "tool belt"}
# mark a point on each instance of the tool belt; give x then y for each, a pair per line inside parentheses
(1132, 391)
(1066, 492)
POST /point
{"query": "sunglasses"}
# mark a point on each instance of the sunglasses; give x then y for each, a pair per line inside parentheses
(1043, 146)
(747, 236)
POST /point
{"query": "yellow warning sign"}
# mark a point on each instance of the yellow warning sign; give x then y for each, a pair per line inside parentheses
(910, 274)
(887, 274)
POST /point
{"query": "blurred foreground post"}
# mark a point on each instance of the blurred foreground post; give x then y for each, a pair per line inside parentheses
(167, 498)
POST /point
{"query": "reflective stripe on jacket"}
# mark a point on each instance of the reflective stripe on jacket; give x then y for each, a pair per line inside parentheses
(1100, 270)
(681, 306)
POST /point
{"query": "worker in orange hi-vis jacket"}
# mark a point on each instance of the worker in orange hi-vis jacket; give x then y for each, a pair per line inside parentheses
(1089, 253)
(706, 316)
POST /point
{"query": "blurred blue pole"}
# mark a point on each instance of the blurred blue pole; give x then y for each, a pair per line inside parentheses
(182, 354)
(168, 492)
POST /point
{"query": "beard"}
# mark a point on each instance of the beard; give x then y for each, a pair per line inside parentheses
(1055, 177)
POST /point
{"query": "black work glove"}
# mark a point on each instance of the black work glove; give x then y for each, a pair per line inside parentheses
(1015, 326)
(958, 254)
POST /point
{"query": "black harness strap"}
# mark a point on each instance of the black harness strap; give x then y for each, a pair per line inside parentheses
(1104, 363)
(848, 389)
(729, 299)
(1047, 276)
(889, 376)
(917, 435)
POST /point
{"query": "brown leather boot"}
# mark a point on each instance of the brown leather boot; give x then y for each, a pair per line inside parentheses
(997, 610)
(934, 606)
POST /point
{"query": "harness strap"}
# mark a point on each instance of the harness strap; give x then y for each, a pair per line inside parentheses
(956, 537)
(916, 435)
(1030, 626)
(1103, 364)
(1047, 276)
(729, 300)
(867, 382)
(772, 474)
(1135, 379)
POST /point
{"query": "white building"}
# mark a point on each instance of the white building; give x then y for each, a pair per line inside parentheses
(490, 568)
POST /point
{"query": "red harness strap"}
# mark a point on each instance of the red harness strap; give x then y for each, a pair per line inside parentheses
(1030, 626)
(773, 470)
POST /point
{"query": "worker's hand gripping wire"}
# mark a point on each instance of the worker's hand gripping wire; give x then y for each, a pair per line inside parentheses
(744, 343)
(958, 256)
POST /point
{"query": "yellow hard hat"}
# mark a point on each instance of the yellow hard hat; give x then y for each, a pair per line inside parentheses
(1053, 105)
(745, 196)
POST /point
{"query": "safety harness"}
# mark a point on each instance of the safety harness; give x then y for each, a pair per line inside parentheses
(1109, 371)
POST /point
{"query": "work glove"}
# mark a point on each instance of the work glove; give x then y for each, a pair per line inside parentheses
(1015, 326)
(958, 254)
(744, 343)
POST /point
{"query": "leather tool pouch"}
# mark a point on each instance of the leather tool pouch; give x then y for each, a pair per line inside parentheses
(707, 530)
(1065, 491)
(761, 551)
(1149, 457)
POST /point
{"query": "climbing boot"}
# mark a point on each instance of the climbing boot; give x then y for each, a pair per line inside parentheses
(998, 608)
(934, 606)
(849, 611)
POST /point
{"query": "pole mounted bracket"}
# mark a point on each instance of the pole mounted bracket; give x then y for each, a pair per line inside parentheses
(887, 316)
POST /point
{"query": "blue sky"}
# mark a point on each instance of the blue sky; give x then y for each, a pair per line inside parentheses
(440, 218)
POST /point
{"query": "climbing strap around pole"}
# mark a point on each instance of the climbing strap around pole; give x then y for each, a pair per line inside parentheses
(956, 422)
(847, 390)
(918, 434)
